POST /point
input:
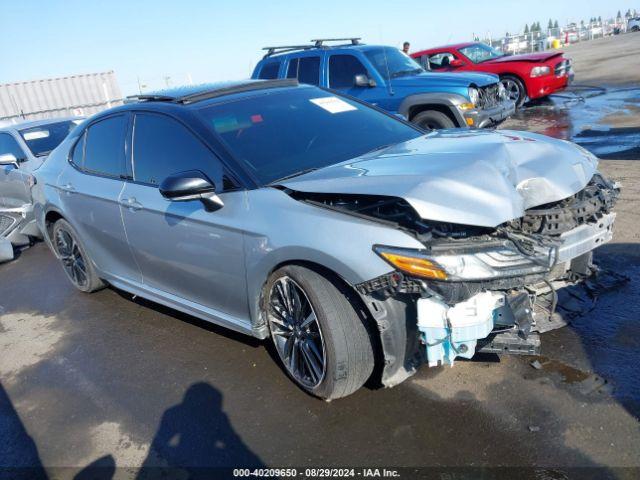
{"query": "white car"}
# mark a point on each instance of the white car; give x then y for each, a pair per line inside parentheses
(23, 149)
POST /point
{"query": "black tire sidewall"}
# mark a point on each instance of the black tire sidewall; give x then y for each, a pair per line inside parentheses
(439, 120)
(320, 290)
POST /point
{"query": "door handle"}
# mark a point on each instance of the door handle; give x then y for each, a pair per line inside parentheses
(67, 187)
(131, 203)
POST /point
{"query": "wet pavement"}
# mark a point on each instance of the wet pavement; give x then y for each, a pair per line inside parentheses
(604, 120)
(110, 379)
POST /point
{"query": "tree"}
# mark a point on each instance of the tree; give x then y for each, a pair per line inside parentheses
(619, 16)
(550, 24)
(526, 28)
(599, 19)
(555, 24)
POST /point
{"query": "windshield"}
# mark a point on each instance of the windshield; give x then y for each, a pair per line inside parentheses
(279, 134)
(41, 140)
(480, 52)
(391, 62)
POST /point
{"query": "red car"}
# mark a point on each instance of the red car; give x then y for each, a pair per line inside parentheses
(530, 76)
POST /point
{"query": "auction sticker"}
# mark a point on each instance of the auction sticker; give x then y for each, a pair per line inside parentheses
(333, 104)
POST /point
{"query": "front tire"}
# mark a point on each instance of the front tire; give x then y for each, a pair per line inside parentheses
(321, 340)
(515, 89)
(73, 256)
(432, 120)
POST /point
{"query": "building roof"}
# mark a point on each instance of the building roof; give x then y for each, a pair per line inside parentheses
(37, 123)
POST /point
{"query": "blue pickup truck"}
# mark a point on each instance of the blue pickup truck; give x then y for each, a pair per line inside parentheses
(388, 78)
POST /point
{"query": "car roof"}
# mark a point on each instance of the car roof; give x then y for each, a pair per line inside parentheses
(453, 46)
(37, 123)
(347, 46)
(189, 94)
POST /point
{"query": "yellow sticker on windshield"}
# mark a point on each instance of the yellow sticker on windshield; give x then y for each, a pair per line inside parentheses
(333, 104)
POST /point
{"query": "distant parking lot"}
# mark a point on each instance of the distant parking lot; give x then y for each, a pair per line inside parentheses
(113, 380)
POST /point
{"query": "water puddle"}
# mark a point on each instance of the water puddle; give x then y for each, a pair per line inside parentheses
(605, 121)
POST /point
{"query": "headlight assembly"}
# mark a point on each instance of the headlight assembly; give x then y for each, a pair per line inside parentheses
(488, 263)
(474, 95)
(502, 92)
(540, 71)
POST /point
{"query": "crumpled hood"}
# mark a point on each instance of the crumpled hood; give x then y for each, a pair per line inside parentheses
(472, 177)
(462, 79)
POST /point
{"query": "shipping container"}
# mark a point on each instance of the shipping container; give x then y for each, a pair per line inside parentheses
(75, 95)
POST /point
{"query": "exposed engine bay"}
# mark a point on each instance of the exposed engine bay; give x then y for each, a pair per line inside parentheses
(489, 289)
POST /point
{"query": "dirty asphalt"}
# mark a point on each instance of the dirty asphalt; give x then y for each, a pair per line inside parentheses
(111, 381)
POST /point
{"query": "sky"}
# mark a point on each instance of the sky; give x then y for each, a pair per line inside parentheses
(162, 42)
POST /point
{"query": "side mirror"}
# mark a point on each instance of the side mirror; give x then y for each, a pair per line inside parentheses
(191, 185)
(9, 159)
(361, 80)
(456, 62)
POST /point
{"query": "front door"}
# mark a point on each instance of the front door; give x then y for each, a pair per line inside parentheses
(343, 69)
(183, 250)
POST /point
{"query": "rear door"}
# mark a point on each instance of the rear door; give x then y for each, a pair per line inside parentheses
(90, 188)
(306, 68)
(183, 251)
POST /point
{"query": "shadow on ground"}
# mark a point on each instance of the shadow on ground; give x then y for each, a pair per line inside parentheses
(194, 438)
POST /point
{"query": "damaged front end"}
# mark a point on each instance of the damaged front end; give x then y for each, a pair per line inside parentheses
(17, 226)
(479, 288)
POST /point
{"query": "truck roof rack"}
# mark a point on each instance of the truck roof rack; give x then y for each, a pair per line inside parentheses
(316, 43)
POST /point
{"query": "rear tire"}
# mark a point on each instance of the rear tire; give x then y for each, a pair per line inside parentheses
(76, 263)
(333, 330)
(432, 120)
(515, 89)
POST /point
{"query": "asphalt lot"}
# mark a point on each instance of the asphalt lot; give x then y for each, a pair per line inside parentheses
(108, 380)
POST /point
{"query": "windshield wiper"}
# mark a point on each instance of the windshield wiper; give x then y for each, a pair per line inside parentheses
(489, 58)
(377, 149)
(296, 174)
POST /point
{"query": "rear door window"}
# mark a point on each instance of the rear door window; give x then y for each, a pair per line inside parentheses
(162, 146)
(104, 151)
(77, 156)
(343, 69)
(269, 71)
(305, 69)
(440, 60)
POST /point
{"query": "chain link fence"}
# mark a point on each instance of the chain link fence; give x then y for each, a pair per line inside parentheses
(536, 41)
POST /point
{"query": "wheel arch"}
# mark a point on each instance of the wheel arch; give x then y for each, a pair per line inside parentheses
(441, 102)
(50, 218)
(518, 76)
(416, 109)
(345, 287)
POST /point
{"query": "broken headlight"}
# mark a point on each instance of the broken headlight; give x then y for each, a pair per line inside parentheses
(450, 263)
(474, 95)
